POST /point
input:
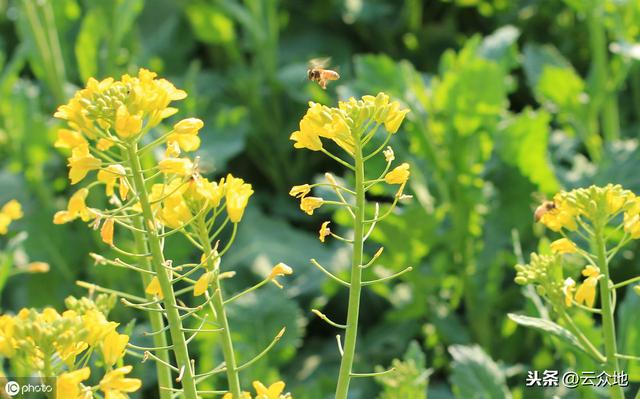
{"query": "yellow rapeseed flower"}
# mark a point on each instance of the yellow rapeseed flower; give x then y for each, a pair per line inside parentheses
(272, 392)
(567, 289)
(237, 196)
(177, 166)
(127, 125)
(110, 175)
(185, 134)
(68, 384)
(7, 339)
(563, 246)
(154, 288)
(586, 293)
(5, 221)
(106, 232)
(324, 231)
(81, 162)
(113, 347)
(300, 191)
(69, 139)
(97, 327)
(279, 270)
(114, 383)
(309, 204)
(76, 208)
(399, 175)
(12, 209)
(229, 395)
(104, 144)
(200, 287)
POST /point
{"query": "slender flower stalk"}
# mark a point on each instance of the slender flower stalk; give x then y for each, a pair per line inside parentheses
(351, 126)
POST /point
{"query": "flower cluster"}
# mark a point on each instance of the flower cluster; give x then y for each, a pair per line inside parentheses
(49, 343)
(9, 212)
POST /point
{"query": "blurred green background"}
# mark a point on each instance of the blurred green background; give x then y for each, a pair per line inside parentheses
(510, 102)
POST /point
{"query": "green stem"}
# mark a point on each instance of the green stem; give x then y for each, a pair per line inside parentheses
(233, 378)
(173, 315)
(605, 101)
(608, 324)
(346, 364)
(157, 323)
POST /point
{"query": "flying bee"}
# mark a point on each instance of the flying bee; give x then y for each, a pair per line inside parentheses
(541, 210)
(318, 72)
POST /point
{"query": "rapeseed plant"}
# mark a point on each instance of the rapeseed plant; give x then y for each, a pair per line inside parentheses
(595, 224)
(352, 127)
(110, 124)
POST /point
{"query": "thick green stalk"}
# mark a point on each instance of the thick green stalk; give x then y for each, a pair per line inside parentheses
(356, 282)
(233, 378)
(608, 323)
(157, 323)
(605, 101)
(173, 315)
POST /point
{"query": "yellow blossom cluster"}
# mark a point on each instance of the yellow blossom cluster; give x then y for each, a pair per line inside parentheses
(346, 124)
(38, 339)
(595, 204)
(10, 211)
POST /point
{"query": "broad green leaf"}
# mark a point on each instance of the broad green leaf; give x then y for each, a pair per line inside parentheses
(536, 57)
(223, 136)
(523, 142)
(501, 46)
(562, 87)
(547, 326)
(475, 375)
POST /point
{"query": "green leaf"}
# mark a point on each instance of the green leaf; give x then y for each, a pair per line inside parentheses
(410, 378)
(475, 375)
(523, 142)
(547, 326)
(562, 87)
(501, 46)
(223, 137)
(92, 29)
(209, 23)
(536, 57)
(629, 334)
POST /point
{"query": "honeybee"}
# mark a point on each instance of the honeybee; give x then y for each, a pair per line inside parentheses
(317, 72)
(545, 207)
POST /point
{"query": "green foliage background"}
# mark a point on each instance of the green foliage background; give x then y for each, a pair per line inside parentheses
(510, 101)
